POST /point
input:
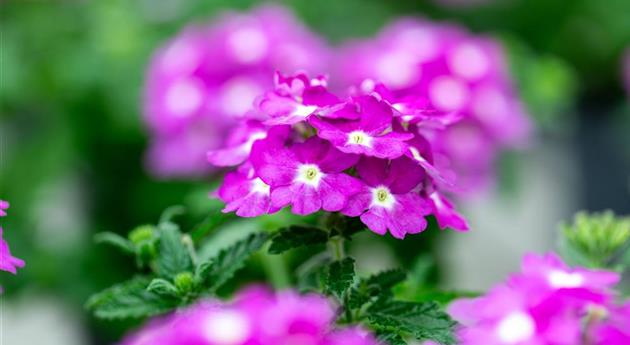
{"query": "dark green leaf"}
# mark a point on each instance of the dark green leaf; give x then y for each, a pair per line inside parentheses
(129, 300)
(389, 337)
(340, 277)
(295, 237)
(115, 240)
(375, 286)
(214, 273)
(162, 287)
(422, 320)
(173, 256)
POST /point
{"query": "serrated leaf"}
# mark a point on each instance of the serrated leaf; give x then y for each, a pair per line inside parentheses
(115, 240)
(340, 277)
(295, 237)
(173, 257)
(391, 338)
(442, 297)
(422, 320)
(375, 286)
(129, 300)
(162, 287)
(216, 272)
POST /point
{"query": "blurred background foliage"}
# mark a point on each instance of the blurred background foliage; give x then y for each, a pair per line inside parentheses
(72, 140)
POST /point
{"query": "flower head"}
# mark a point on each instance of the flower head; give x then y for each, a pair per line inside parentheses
(256, 316)
(440, 75)
(207, 78)
(388, 200)
(546, 303)
(309, 175)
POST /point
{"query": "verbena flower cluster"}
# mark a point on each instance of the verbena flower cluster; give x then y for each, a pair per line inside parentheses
(8, 262)
(363, 155)
(457, 72)
(201, 82)
(546, 303)
(256, 317)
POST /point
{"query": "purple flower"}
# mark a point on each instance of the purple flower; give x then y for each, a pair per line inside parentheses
(294, 99)
(437, 75)
(239, 143)
(445, 213)
(8, 262)
(256, 316)
(388, 200)
(546, 303)
(207, 78)
(309, 175)
(246, 194)
(370, 135)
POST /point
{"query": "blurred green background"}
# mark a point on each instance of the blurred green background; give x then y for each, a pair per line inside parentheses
(72, 141)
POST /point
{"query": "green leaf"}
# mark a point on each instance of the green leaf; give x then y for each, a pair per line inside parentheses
(340, 277)
(391, 338)
(296, 236)
(129, 300)
(220, 269)
(375, 286)
(442, 297)
(115, 240)
(162, 287)
(170, 213)
(173, 256)
(422, 320)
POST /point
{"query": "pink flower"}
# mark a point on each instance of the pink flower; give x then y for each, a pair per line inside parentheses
(8, 262)
(240, 141)
(546, 303)
(371, 134)
(4, 206)
(445, 213)
(295, 98)
(309, 176)
(614, 329)
(388, 200)
(441, 74)
(207, 78)
(257, 316)
(246, 194)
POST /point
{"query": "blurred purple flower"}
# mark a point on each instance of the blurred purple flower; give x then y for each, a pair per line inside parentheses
(205, 79)
(256, 317)
(460, 76)
(546, 303)
(8, 262)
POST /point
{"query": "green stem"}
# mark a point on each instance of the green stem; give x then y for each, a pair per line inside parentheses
(276, 269)
(337, 248)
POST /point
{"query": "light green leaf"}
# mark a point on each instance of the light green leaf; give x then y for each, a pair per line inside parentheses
(162, 287)
(115, 240)
(173, 256)
(216, 272)
(129, 300)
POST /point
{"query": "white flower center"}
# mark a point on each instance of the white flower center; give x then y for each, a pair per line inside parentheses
(382, 197)
(359, 138)
(227, 328)
(303, 110)
(561, 279)
(309, 174)
(259, 186)
(515, 328)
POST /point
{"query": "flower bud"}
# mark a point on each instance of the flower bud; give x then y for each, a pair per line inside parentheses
(184, 282)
